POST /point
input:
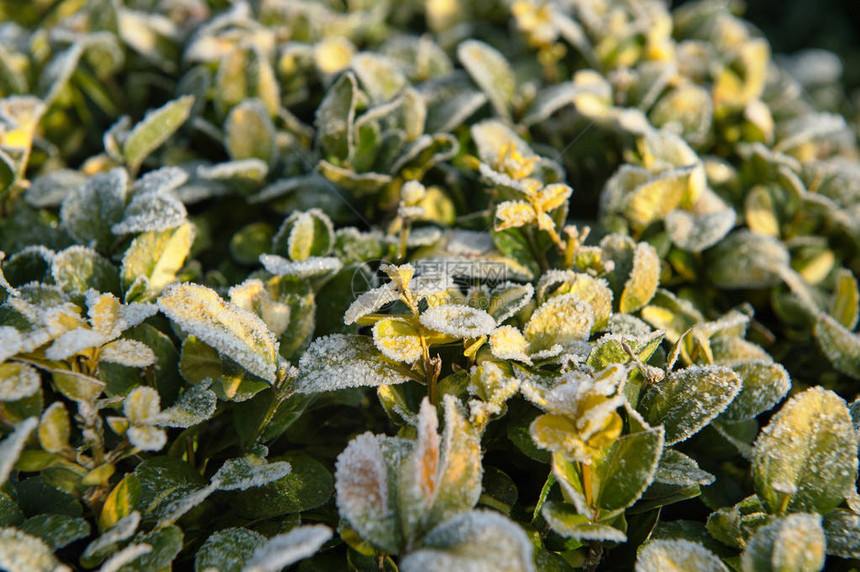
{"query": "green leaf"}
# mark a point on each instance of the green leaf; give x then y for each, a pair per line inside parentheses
(164, 480)
(567, 522)
(285, 549)
(561, 320)
(166, 544)
(249, 133)
(250, 242)
(248, 472)
(747, 260)
(335, 118)
(340, 361)
(687, 400)
(228, 550)
(199, 361)
(815, 472)
(461, 543)
(233, 331)
(622, 472)
(841, 346)
(663, 555)
(491, 71)
(154, 129)
(845, 308)
(57, 530)
(17, 381)
(794, 543)
(307, 486)
(78, 268)
(842, 529)
(678, 469)
(304, 235)
(764, 385)
(106, 543)
(121, 501)
(643, 281)
(380, 76)
(89, 211)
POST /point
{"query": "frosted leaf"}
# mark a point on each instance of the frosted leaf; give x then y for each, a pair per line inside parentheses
(561, 320)
(11, 342)
(156, 257)
(747, 260)
(491, 136)
(845, 305)
(653, 200)
(335, 117)
(514, 214)
(696, 232)
(125, 556)
(88, 212)
(380, 76)
(142, 405)
(841, 346)
(842, 528)
(680, 555)
(104, 544)
(678, 469)
(491, 71)
(817, 472)
(371, 301)
(564, 520)
(56, 530)
(154, 129)
(340, 361)
(49, 190)
(363, 496)
(17, 381)
(12, 445)
(398, 339)
(807, 129)
(420, 472)
(163, 180)
(313, 267)
(458, 321)
(609, 349)
(252, 295)
(177, 508)
(228, 550)
(147, 438)
(494, 178)
(110, 318)
(55, 428)
(549, 100)
(231, 330)
(507, 342)
(688, 399)
(285, 549)
(151, 212)
(462, 543)
(20, 552)
(794, 542)
(74, 342)
(196, 404)
(509, 298)
(643, 281)
(249, 471)
(131, 353)
(78, 268)
(764, 385)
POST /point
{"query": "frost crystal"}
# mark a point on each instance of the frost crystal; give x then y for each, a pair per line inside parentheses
(74, 342)
(371, 301)
(661, 555)
(152, 211)
(122, 530)
(20, 552)
(248, 472)
(340, 361)
(195, 405)
(459, 321)
(17, 381)
(285, 549)
(312, 267)
(126, 555)
(11, 446)
(129, 353)
(231, 330)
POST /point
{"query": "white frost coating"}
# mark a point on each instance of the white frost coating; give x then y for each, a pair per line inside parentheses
(74, 342)
(102, 195)
(475, 541)
(285, 549)
(122, 530)
(195, 405)
(152, 211)
(17, 381)
(231, 330)
(468, 243)
(111, 318)
(459, 321)
(20, 552)
(676, 468)
(561, 320)
(11, 446)
(581, 530)
(662, 555)
(793, 542)
(147, 438)
(371, 301)
(11, 342)
(310, 268)
(361, 484)
(176, 509)
(124, 556)
(508, 299)
(131, 353)
(248, 472)
(340, 361)
(161, 180)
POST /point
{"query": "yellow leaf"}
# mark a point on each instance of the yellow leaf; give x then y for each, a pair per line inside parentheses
(398, 339)
(514, 214)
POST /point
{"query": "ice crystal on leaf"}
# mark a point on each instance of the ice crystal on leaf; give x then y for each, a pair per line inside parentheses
(13, 444)
(285, 549)
(21, 552)
(459, 321)
(233, 331)
(660, 555)
(340, 361)
(18, 380)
